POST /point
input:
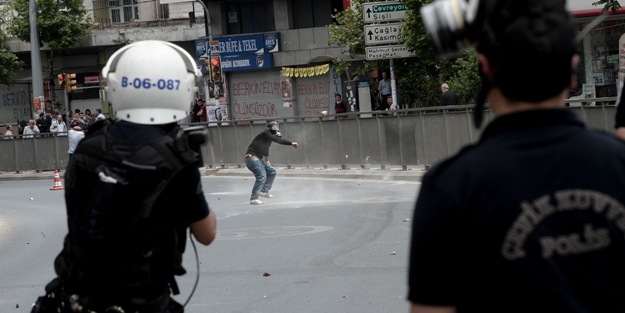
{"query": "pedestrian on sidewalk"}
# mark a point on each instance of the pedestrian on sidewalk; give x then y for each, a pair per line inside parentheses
(513, 223)
(257, 160)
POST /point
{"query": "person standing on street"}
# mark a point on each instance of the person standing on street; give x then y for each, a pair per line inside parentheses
(74, 135)
(58, 126)
(9, 133)
(31, 129)
(448, 97)
(257, 160)
(133, 190)
(340, 106)
(384, 88)
(98, 115)
(513, 223)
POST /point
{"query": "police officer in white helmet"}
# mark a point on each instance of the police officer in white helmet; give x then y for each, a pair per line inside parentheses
(133, 188)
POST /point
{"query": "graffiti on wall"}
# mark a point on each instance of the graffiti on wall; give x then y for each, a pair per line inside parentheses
(256, 88)
(258, 109)
(15, 105)
(314, 96)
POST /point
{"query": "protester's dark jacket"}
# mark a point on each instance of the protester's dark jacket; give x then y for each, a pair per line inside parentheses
(261, 143)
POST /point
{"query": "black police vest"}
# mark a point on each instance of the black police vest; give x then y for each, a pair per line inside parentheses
(114, 246)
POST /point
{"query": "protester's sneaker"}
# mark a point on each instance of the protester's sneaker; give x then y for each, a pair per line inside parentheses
(256, 201)
(265, 194)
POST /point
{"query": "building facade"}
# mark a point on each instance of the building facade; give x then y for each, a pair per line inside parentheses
(275, 56)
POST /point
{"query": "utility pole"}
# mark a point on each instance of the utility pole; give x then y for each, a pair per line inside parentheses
(207, 21)
(37, 78)
(209, 34)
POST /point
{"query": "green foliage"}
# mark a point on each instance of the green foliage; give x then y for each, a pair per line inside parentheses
(59, 22)
(466, 81)
(9, 63)
(419, 78)
(608, 5)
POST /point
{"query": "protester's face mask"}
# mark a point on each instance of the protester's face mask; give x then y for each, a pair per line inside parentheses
(275, 129)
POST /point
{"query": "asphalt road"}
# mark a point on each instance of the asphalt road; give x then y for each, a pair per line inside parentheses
(328, 246)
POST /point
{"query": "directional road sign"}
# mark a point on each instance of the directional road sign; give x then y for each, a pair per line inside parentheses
(382, 33)
(388, 52)
(383, 11)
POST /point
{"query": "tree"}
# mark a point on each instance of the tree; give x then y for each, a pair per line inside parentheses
(419, 78)
(60, 23)
(9, 63)
(608, 5)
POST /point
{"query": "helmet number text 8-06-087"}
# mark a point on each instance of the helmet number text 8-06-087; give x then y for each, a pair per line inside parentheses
(146, 83)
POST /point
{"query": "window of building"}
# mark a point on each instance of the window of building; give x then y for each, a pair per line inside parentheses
(250, 17)
(314, 13)
(123, 11)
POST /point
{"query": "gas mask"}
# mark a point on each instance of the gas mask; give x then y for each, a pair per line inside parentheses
(275, 129)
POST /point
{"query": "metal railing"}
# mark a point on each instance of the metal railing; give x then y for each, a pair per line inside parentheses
(408, 138)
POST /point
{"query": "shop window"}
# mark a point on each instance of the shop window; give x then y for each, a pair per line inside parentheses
(250, 17)
(314, 13)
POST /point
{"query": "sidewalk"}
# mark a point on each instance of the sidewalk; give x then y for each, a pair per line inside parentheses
(413, 174)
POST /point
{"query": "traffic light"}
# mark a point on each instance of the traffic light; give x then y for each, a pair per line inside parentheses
(215, 64)
(61, 79)
(70, 82)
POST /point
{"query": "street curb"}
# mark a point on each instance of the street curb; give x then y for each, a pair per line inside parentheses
(357, 174)
(369, 174)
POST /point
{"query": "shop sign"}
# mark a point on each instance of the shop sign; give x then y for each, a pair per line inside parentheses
(238, 45)
(246, 63)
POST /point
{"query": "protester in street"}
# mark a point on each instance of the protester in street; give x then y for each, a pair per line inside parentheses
(133, 190)
(531, 218)
(448, 97)
(257, 160)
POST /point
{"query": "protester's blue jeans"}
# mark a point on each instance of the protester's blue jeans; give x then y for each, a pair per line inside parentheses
(265, 174)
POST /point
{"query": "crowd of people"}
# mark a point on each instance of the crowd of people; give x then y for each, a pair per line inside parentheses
(53, 122)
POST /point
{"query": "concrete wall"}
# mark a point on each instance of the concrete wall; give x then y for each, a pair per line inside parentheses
(424, 137)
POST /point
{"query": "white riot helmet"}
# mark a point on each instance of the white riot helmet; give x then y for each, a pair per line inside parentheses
(150, 82)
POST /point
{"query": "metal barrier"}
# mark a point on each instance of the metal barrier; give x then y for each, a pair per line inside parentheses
(409, 137)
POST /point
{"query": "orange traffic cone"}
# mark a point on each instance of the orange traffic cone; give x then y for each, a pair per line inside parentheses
(57, 181)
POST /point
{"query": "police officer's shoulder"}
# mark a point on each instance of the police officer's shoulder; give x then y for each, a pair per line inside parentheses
(608, 138)
(442, 167)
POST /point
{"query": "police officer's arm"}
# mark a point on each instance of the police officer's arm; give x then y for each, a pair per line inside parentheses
(422, 308)
(205, 229)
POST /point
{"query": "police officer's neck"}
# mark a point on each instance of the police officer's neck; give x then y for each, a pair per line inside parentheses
(501, 105)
